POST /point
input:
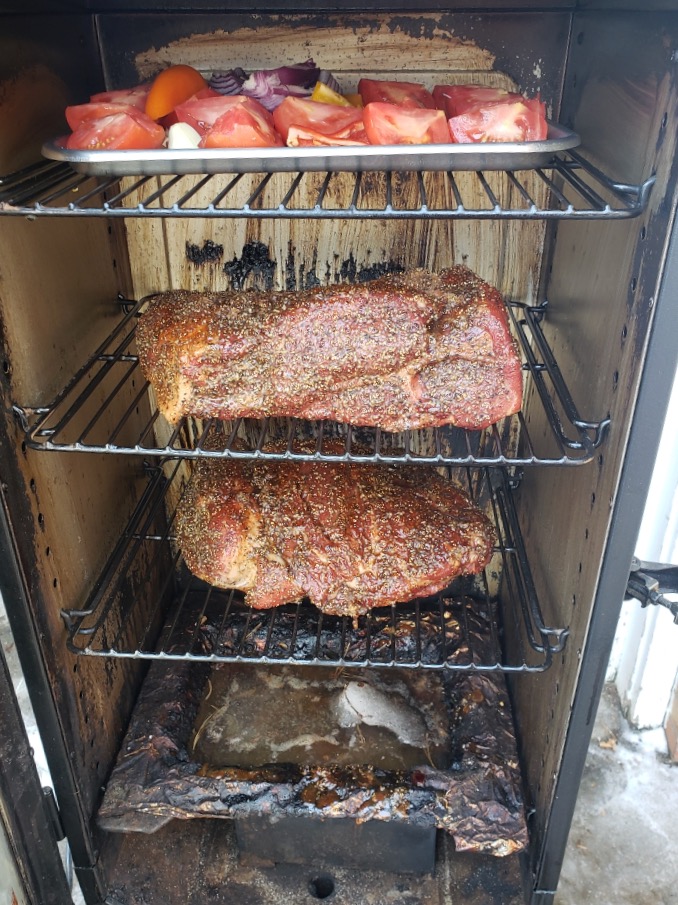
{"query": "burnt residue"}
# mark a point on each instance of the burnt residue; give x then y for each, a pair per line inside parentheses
(256, 263)
(210, 253)
(373, 271)
(419, 633)
(302, 275)
(475, 798)
(290, 277)
(350, 272)
(308, 277)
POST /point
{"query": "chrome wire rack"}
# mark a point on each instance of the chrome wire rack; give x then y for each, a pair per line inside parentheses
(463, 628)
(570, 187)
(100, 411)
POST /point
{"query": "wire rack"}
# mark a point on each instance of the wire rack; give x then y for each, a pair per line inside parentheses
(464, 628)
(572, 188)
(80, 419)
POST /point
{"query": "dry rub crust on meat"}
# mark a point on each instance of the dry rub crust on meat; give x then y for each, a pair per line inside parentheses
(410, 350)
(349, 537)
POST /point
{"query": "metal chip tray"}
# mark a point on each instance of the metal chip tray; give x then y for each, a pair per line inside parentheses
(107, 408)
(146, 604)
(517, 155)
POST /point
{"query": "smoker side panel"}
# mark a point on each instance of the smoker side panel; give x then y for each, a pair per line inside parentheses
(602, 284)
(59, 282)
(46, 63)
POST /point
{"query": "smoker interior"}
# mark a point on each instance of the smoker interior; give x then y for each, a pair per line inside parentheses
(589, 239)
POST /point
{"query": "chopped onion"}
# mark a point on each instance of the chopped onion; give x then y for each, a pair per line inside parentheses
(229, 81)
(271, 86)
(181, 135)
(303, 75)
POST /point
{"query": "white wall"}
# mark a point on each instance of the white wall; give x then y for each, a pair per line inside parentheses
(644, 661)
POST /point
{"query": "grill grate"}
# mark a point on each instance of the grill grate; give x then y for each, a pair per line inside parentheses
(463, 628)
(574, 189)
(79, 419)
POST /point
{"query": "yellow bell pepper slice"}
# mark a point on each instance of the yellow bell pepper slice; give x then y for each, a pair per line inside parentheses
(326, 95)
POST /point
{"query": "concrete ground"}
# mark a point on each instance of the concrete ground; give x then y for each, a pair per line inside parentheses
(622, 848)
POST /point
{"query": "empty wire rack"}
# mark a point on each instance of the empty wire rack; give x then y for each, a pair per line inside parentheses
(107, 408)
(146, 605)
(570, 187)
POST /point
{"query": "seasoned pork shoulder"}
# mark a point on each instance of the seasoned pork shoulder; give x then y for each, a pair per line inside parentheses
(409, 350)
(349, 537)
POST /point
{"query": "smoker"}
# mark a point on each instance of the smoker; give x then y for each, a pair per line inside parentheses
(122, 647)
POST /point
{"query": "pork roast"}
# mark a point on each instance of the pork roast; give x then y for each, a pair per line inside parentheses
(349, 537)
(409, 350)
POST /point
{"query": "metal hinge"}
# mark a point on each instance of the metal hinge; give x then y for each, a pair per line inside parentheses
(53, 814)
(649, 581)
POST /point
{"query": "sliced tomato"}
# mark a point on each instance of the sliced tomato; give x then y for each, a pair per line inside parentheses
(522, 120)
(131, 130)
(82, 113)
(170, 87)
(203, 112)
(403, 94)
(134, 97)
(387, 124)
(455, 99)
(303, 121)
(245, 123)
(171, 118)
(206, 92)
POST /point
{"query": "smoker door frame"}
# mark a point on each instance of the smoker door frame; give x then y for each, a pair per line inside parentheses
(20, 793)
(25, 812)
(646, 426)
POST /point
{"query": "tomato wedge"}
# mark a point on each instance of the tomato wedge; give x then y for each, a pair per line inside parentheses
(203, 112)
(244, 123)
(133, 97)
(301, 121)
(456, 99)
(171, 87)
(502, 121)
(126, 131)
(82, 113)
(403, 94)
(387, 124)
(171, 118)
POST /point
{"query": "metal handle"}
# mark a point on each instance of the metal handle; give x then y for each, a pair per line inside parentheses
(649, 581)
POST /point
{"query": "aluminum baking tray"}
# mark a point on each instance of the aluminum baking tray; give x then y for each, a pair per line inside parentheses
(523, 155)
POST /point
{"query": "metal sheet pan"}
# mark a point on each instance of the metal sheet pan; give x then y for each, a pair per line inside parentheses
(490, 156)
